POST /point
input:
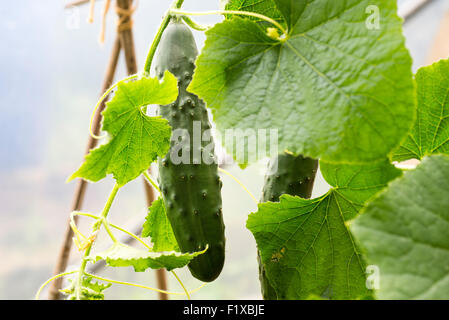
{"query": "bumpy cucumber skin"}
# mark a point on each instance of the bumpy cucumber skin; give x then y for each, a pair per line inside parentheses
(294, 176)
(192, 192)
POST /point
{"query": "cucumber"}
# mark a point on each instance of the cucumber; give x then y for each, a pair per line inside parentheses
(295, 176)
(191, 191)
(287, 174)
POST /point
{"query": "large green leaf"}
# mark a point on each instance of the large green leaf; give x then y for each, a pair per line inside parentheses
(305, 245)
(430, 135)
(136, 140)
(330, 89)
(405, 233)
(158, 227)
(121, 255)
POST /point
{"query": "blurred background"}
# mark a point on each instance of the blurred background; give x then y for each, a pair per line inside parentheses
(51, 71)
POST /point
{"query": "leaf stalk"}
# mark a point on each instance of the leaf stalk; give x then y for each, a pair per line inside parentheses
(175, 11)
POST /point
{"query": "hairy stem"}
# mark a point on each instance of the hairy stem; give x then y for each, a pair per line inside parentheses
(192, 24)
(243, 13)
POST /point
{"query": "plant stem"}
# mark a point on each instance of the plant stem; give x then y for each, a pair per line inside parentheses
(244, 13)
(176, 4)
(108, 230)
(103, 216)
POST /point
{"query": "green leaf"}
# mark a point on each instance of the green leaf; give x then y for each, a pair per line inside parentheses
(136, 140)
(306, 247)
(121, 255)
(95, 285)
(330, 89)
(430, 134)
(405, 233)
(159, 228)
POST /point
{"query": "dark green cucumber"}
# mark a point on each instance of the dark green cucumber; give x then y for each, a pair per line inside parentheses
(288, 174)
(291, 175)
(191, 191)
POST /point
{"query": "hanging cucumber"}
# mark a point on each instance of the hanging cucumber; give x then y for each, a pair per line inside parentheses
(291, 175)
(191, 189)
